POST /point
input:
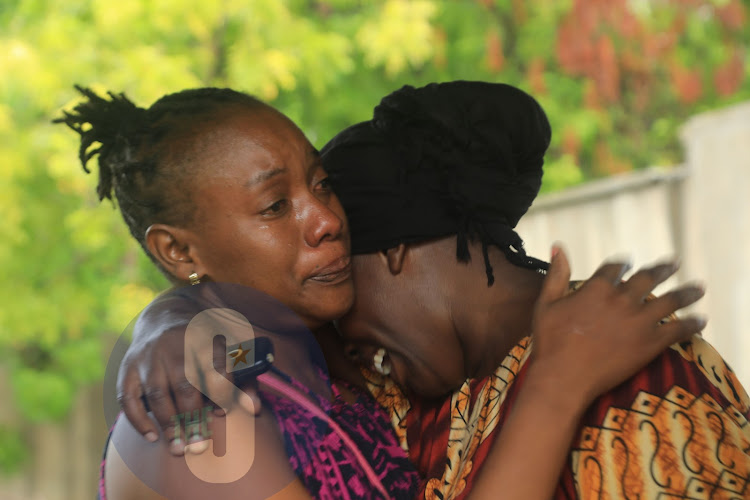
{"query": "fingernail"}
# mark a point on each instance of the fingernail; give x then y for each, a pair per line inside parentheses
(151, 436)
(555, 251)
(176, 447)
(701, 321)
(197, 447)
(697, 290)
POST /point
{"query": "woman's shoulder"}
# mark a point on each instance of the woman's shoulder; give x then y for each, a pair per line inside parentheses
(705, 360)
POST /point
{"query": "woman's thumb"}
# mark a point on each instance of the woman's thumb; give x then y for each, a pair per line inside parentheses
(558, 277)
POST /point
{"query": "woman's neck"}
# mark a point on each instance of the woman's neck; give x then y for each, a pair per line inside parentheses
(339, 365)
(491, 320)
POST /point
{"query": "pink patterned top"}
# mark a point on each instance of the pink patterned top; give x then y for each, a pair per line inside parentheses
(338, 450)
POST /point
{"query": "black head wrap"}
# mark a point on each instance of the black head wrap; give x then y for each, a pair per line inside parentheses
(460, 158)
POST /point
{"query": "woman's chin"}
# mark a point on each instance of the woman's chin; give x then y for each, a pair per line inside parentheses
(331, 302)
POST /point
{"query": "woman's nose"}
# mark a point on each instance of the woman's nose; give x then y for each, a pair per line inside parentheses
(323, 224)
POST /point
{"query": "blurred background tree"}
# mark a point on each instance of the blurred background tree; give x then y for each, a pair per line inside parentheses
(617, 77)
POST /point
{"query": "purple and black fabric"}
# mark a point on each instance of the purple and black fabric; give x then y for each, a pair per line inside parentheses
(321, 459)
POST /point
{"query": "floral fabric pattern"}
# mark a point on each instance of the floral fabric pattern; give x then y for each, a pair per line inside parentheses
(676, 430)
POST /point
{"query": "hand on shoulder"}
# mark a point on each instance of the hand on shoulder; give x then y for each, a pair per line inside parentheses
(589, 340)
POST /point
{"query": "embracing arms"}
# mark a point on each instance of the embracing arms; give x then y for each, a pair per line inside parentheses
(574, 337)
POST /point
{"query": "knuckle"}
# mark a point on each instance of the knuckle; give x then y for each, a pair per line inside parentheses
(155, 393)
(124, 398)
(600, 285)
(184, 388)
(619, 299)
(165, 348)
(621, 296)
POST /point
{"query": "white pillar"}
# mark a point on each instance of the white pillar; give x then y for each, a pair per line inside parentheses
(716, 227)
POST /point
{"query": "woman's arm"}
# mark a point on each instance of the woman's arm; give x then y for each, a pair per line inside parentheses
(527, 457)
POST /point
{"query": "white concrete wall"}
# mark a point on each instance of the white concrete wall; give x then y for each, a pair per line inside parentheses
(716, 208)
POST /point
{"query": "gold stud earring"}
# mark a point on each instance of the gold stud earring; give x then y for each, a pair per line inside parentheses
(377, 361)
(194, 279)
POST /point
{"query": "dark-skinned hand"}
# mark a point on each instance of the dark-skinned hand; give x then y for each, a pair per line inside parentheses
(588, 341)
(155, 376)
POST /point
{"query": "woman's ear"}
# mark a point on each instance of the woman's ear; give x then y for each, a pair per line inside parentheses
(394, 257)
(169, 245)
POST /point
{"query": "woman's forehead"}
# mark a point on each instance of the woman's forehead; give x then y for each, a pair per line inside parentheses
(256, 146)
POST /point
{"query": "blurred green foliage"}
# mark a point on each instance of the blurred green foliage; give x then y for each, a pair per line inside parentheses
(617, 78)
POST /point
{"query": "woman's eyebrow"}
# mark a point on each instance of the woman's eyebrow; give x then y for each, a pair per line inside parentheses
(265, 175)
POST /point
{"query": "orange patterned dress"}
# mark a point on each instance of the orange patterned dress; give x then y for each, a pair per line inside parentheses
(676, 430)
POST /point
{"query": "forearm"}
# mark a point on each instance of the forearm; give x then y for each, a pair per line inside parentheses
(528, 455)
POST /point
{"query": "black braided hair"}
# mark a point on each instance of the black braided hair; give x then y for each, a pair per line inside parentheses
(454, 158)
(141, 166)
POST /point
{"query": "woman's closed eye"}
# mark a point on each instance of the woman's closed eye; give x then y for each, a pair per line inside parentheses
(323, 189)
(276, 208)
(324, 184)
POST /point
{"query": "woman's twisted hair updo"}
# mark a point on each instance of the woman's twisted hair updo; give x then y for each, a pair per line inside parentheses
(143, 153)
(454, 158)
